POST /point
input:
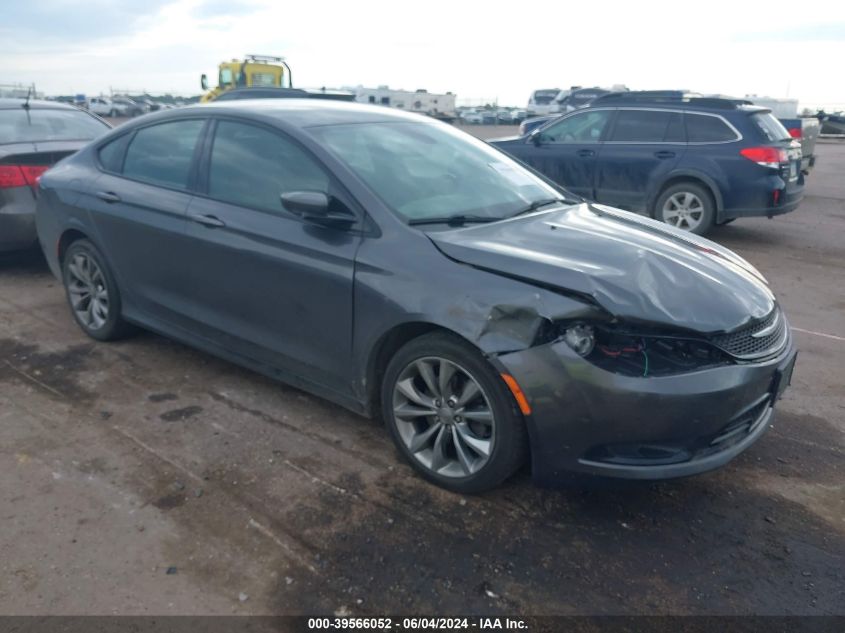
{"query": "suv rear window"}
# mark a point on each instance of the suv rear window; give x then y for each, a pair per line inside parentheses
(702, 128)
(771, 128)
(47, 124)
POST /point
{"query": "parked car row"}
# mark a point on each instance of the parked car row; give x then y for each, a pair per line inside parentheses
(502, 116)
(690, 162)
(118, 106)
(402, 268)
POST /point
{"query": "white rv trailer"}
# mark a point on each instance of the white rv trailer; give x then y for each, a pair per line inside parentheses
(439, 106)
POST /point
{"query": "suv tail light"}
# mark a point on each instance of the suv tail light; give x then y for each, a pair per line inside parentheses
(20, 175)
(766, 156)
(795, 132)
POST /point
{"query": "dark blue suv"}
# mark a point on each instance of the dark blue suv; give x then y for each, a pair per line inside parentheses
(691, 162)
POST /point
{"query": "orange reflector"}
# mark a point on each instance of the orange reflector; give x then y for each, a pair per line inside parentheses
(521, 400)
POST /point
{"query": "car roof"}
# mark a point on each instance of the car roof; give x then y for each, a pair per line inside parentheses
(311, 112)
(9, 103)
(675, 100)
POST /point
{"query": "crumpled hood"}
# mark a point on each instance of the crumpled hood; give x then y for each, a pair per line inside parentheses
(634, 267)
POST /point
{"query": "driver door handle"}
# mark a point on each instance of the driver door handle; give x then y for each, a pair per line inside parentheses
(664, 154)
(109, 196)
(585, 153)
(207, 220)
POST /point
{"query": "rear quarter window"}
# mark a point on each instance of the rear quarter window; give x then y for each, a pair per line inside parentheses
(703, 128)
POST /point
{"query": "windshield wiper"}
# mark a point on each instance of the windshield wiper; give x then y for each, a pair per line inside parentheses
(454, 220)
(537, 204)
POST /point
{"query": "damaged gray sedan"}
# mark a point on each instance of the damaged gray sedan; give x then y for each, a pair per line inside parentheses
(406, 270)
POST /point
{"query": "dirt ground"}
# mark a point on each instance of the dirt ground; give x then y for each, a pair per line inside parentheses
(147, 478)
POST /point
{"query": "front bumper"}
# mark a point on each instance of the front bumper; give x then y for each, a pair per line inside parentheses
(586, 420)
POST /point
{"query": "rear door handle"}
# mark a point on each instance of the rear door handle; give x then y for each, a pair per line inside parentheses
(208, 220)
(108, 196)
(664, 154)
(585, 153)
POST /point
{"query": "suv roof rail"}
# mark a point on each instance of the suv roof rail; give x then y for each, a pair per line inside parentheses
(671, 96)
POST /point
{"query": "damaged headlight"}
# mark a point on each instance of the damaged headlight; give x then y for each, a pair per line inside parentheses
(581, 338)
(624, 350)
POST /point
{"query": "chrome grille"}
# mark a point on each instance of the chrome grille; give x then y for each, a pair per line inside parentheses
(762, 338)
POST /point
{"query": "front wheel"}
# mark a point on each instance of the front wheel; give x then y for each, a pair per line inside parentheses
(92, 292)
(686, 206)
(451, 415)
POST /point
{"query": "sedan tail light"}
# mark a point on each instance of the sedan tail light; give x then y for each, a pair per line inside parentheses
(766, 156)
(20, 175)
(795, 132)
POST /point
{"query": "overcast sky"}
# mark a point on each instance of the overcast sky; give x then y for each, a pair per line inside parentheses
(479, 50)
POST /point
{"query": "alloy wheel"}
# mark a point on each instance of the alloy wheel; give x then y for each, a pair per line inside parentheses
(683, 210)
(443, 417)
(89, 296)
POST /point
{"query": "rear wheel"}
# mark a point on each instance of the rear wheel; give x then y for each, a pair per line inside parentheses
(451, 416)
(687, 206)
(92, 292)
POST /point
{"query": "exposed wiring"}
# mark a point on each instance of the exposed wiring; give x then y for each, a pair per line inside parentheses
(645, 358)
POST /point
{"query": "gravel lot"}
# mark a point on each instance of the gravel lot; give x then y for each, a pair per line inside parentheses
(144, 477)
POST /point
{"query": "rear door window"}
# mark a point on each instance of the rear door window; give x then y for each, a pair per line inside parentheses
(162, 154)
(251, 166)
(675, 131)
(703, 128)
(640, 126)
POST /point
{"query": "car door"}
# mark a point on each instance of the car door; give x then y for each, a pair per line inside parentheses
(138, 207)
(566, 151)
(642, 147)
(266, 283)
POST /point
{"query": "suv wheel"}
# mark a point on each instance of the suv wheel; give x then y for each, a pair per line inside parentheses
(451, 415)
(92, 292)
(686, 206)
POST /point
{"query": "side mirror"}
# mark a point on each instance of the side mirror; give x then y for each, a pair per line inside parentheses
(313, 206)
(204, 82)
(534, 137)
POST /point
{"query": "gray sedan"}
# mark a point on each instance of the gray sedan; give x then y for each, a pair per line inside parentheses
(406, 270)
(33, 136)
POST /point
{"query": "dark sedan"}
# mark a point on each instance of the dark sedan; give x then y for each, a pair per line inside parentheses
(33, 136)
(404, 269)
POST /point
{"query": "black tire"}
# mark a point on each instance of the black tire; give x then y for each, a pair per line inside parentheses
(113, 326)
(510, 440)
(702, 194)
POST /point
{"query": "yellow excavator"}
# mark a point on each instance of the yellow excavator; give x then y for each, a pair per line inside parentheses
(261, 71)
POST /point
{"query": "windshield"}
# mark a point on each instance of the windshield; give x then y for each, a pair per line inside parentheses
(581, 99)
(771, 128)
(426, 171)
(43, 124)
(544, 97)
